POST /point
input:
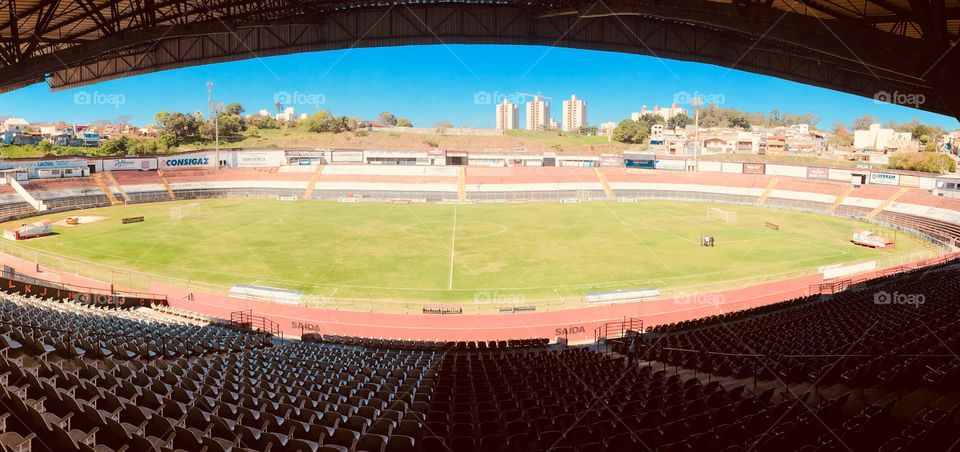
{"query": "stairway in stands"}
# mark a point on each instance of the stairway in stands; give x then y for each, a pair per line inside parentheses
(840, 199)
(886, 203)
(461, 183)
(98, 178)
(606, 184)
(313, 182)
(114, 183)
(767, 191)
(166, 186)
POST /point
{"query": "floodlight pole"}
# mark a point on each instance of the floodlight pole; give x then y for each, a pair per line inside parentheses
(214, 111)
(697, 102)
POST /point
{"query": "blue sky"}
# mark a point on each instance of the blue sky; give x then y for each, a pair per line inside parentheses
(453, 83)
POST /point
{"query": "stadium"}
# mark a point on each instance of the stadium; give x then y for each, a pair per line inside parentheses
(361, 299)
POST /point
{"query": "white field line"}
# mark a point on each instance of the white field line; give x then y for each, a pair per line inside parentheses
(453, 245)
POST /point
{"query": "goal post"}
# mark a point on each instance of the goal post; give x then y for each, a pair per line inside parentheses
(726, 216)
(189, 210)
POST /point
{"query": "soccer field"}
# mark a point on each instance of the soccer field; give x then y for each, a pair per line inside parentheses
(463, 253)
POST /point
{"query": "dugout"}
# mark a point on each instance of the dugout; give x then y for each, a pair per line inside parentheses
(947, 187)
(457, 158)
(637, 160)
(378, 157)
(583, 161)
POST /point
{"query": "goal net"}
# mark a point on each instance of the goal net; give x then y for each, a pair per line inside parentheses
(725, 216)
(180, 212)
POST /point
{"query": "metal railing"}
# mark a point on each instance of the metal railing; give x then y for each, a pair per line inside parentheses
(617, 330)
(248, 321)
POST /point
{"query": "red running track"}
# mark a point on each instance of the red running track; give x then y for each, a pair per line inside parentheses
(577, 325)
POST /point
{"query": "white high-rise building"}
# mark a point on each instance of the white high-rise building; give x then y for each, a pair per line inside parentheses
(508, 116)
(574, 114)
(289, 114)
(538, 114)
(879, 139)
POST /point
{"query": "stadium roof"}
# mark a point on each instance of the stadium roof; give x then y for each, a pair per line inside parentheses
(873, 48)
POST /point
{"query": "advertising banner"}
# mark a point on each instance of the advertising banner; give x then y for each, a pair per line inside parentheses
(303, 153)
(610, 161)
(48, 164)
(679, 165)
(909, 181)
(709, 166)
(733, 168)
(839, 174)
(346, 157)
(884, 178)
(130, 164)
(814, 172)
(785, 170)
(187, 161)
(754, 168)
(260, 159)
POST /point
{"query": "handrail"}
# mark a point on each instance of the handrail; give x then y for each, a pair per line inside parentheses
(247, 320)
(617, 329)
(17, 276)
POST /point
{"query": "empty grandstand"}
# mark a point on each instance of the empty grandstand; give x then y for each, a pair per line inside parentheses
(833, 372)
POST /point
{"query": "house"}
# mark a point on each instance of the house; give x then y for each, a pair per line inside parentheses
(15, 125)
(14, 130)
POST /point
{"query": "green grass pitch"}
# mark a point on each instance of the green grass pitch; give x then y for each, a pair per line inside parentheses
(463, 253)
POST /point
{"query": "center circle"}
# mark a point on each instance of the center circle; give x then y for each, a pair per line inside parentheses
(465, 229)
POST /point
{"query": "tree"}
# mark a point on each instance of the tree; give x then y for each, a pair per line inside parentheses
(167, 140)
(587, 130)
(404, 122)
(738, 121)
(388, 118)
(443, 125)
(841, 136)
(627, 131)
(318, 122)
(679, 120)
(863, 122)
(116, 146)
(233, 109)
(774, 119)
(178, 128)
(142, 147)
(930, 162)
(712, 116)
(262, 122)
(45, 148)
(230, 125)
(324, 121)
